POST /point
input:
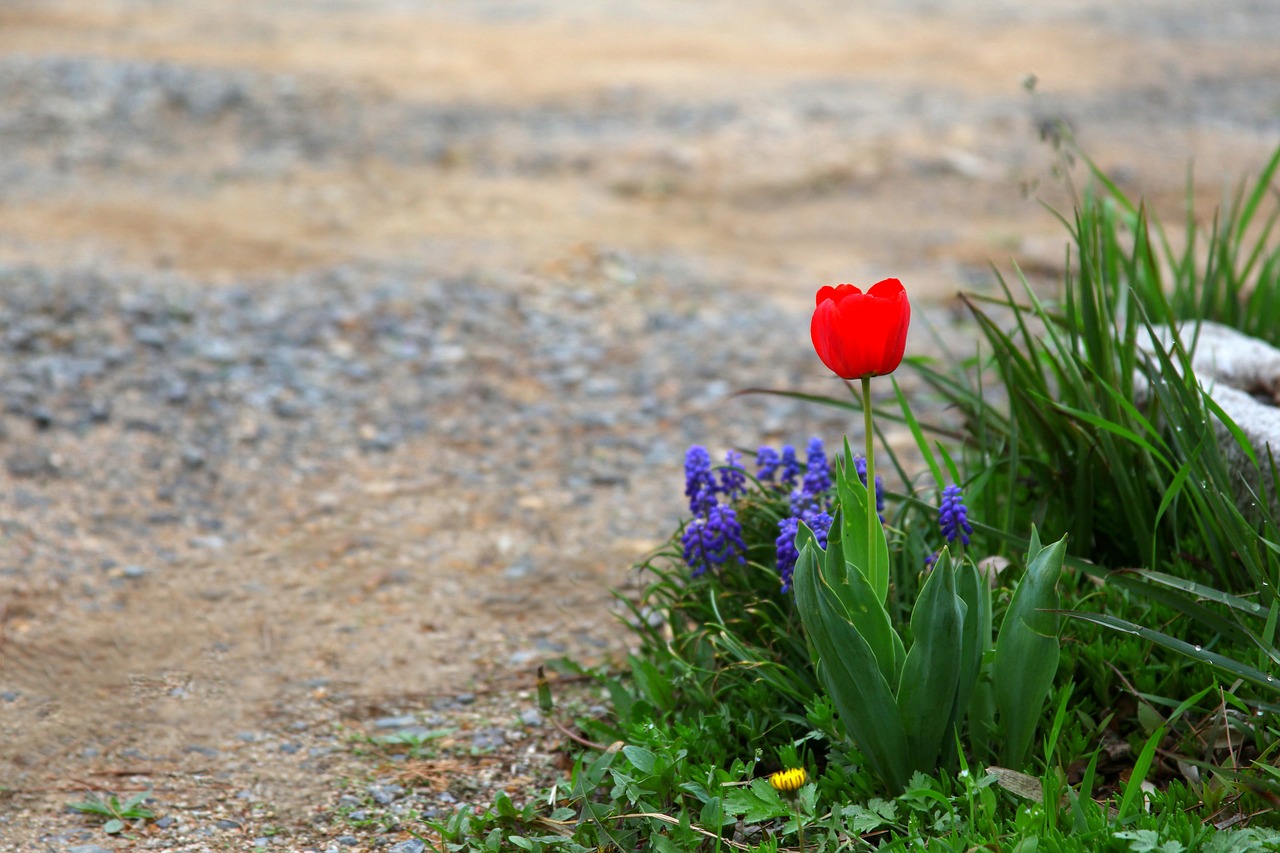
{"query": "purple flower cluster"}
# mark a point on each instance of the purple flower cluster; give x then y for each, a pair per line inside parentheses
(817, 476)
(818, 521)
(953, 516)
(767, 462)
(809, 502)
(699, 483)
(790, 466)
(713, 540)
(714, 535)
(733, 480)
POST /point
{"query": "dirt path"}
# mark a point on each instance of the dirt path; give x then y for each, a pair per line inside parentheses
(350, 349)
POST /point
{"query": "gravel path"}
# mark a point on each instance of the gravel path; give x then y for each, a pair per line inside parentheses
(348, 353)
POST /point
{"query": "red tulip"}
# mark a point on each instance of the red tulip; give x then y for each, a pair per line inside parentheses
(861, 334)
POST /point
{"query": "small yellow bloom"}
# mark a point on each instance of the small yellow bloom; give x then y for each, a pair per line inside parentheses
(789, 781)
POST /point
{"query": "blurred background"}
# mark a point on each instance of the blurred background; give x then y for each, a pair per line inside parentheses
(787, 143)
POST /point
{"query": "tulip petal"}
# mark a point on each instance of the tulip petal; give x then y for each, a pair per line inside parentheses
(837, 293)
(860, 334)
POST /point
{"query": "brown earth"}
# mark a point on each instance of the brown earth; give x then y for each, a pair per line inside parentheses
(373, 584)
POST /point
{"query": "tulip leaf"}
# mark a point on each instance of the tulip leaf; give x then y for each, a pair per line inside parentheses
(976, 637)
(931, 672)
(869, 552)
(861, 605)
(850, 672)
(1026, 658)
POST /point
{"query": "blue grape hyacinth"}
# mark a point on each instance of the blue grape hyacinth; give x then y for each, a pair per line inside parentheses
(953, 516)
(713, 540)
(699, 483)
(817, 477)
(790, 466)
(767, 463)
(733, 480)
(817, 520)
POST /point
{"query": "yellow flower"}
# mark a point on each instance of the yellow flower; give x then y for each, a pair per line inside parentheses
(789, 781)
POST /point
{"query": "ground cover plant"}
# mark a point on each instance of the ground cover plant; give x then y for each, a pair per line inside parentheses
(1060, 636)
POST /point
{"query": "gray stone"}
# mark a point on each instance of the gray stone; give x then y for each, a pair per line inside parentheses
(413, 845)
(1242, 375)
(385, 795)
(31, 462)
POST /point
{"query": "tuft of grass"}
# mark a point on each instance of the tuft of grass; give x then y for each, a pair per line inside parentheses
(117, 813)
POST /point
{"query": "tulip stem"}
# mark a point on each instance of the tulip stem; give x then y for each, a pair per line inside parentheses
(873, 553)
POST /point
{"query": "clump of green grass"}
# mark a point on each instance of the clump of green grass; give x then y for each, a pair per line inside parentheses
(117, 814)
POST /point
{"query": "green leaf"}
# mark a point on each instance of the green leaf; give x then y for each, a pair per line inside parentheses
(756, 802)
(861, 820)
(931, 672)
(922, 444)
(1026, 658)
(976, 637)
(862, 604)
(640, 758)
(1133, 788)
(850, 672)
(113, 826)
(713, 815)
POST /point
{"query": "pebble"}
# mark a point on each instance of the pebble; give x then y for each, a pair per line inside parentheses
(385, 795)
(396, 722)
(413, 845)
(30, 462)
(490, 738)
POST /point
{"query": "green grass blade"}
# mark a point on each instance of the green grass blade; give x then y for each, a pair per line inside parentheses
(917, 433)
(1133, 788)
(1233, 667)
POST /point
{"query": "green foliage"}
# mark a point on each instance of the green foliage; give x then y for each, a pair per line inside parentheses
(1026, 657)
(116, 812)
(904, 713)
(896, 689)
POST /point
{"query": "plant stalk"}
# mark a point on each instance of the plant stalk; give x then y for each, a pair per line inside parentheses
(873, 553)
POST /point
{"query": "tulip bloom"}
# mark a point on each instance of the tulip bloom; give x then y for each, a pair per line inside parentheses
(860, 334)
